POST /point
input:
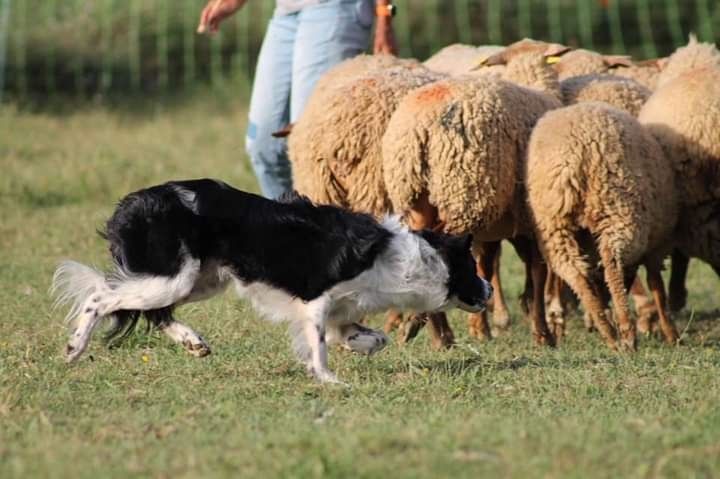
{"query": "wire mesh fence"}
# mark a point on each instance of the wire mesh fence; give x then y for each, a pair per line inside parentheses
(85, 47)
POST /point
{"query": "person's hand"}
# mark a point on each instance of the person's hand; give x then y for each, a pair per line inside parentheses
(384, 37)
(216, 11)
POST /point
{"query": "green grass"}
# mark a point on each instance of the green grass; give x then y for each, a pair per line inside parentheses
(502, 409)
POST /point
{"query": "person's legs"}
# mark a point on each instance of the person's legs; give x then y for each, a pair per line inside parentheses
(269, 107)
(327, 34)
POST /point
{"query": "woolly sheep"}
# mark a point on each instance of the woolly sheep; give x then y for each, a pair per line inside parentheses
(585, 62)
(459, 144)
(599, 186)
(623, 93)
(334, 148)
(690, 57)
(459, 59)
(644, 72)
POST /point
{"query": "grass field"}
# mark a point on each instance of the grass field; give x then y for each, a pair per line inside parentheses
(502, 409)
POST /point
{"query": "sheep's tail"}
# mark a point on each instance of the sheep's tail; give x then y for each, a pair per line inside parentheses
(556, 194)
(73, 283)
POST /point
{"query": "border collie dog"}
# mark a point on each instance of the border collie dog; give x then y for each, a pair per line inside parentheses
(321, 268)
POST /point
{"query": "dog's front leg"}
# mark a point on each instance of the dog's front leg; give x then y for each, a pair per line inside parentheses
(313, 330)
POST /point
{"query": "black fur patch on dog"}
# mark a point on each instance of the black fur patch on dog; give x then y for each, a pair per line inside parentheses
(291, 244)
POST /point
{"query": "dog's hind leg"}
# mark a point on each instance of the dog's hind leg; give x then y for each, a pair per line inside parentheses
(178, 332)
(124, 292)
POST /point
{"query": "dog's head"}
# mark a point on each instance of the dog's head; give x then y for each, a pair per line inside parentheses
(466, 290)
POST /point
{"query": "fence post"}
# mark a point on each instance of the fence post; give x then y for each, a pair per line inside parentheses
(494, 21)
(162, 45)
(106, 46)
(524, 20)
(188, 49)
(585, 23)
(134, 60)
(19, 25)
(554, 22)
(705, 28)
(4, 16)
(643, 11)
(616, 34)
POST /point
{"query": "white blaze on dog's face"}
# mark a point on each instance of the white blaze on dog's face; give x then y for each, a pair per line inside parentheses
(466, 290)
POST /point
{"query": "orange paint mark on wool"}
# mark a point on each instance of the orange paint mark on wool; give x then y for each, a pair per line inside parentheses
(432, 93)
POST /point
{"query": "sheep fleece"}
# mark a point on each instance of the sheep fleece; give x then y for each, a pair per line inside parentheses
(594, 167)
(460, 140)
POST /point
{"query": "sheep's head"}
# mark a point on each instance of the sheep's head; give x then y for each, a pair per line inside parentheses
(690, 57)
(550, 51)
(586, 62)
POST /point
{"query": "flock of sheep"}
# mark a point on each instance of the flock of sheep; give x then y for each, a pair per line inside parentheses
(590, 165)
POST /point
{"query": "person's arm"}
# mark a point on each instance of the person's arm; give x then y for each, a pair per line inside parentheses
(384, 37)
(215, 12)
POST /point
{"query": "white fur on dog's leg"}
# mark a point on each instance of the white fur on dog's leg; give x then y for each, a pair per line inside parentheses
(89, 318)
(362, 340)
(189, 339)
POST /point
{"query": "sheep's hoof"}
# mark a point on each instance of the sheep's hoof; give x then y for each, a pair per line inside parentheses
(410, 328)
(628, 342)
(545, 339)
(501, 321)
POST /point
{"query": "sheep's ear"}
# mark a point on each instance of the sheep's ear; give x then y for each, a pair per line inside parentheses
(692, 39)
(659, 63)
(283, 132)
(497, 59)
(553, 52)
(615, 61)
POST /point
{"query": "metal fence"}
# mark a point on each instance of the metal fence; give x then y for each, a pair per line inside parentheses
(86, 47)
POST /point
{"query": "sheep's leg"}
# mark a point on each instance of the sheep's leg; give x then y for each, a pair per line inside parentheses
(678, 291)
(500, 311)
(393, 321)
(424, 215)
(441, 334)
(541, 332)
(657, 287)
(555, 308)
(615, 280)
(644, 306)
(485, 255)
(521, 248)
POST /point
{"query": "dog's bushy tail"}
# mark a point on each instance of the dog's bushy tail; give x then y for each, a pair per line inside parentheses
(73, 283)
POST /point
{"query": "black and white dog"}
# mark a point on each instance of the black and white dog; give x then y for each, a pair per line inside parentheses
(318, 267)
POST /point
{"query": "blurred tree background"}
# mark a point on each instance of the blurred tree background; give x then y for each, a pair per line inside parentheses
(91, 48)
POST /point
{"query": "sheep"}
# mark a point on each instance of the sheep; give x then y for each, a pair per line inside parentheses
(334, 147)
(684, 116)
(459, 59)
(599, 185)
(623, 93)
(585, 62)
(453, 151)
(645, 72)
(690, 57)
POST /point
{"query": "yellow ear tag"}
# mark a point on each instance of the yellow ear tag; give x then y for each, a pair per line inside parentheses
(552, 59)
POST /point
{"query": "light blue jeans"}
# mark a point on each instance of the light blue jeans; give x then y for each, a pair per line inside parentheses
(298, 48)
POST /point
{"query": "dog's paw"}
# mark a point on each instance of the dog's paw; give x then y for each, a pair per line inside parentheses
(198, 349)
(363, 340)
